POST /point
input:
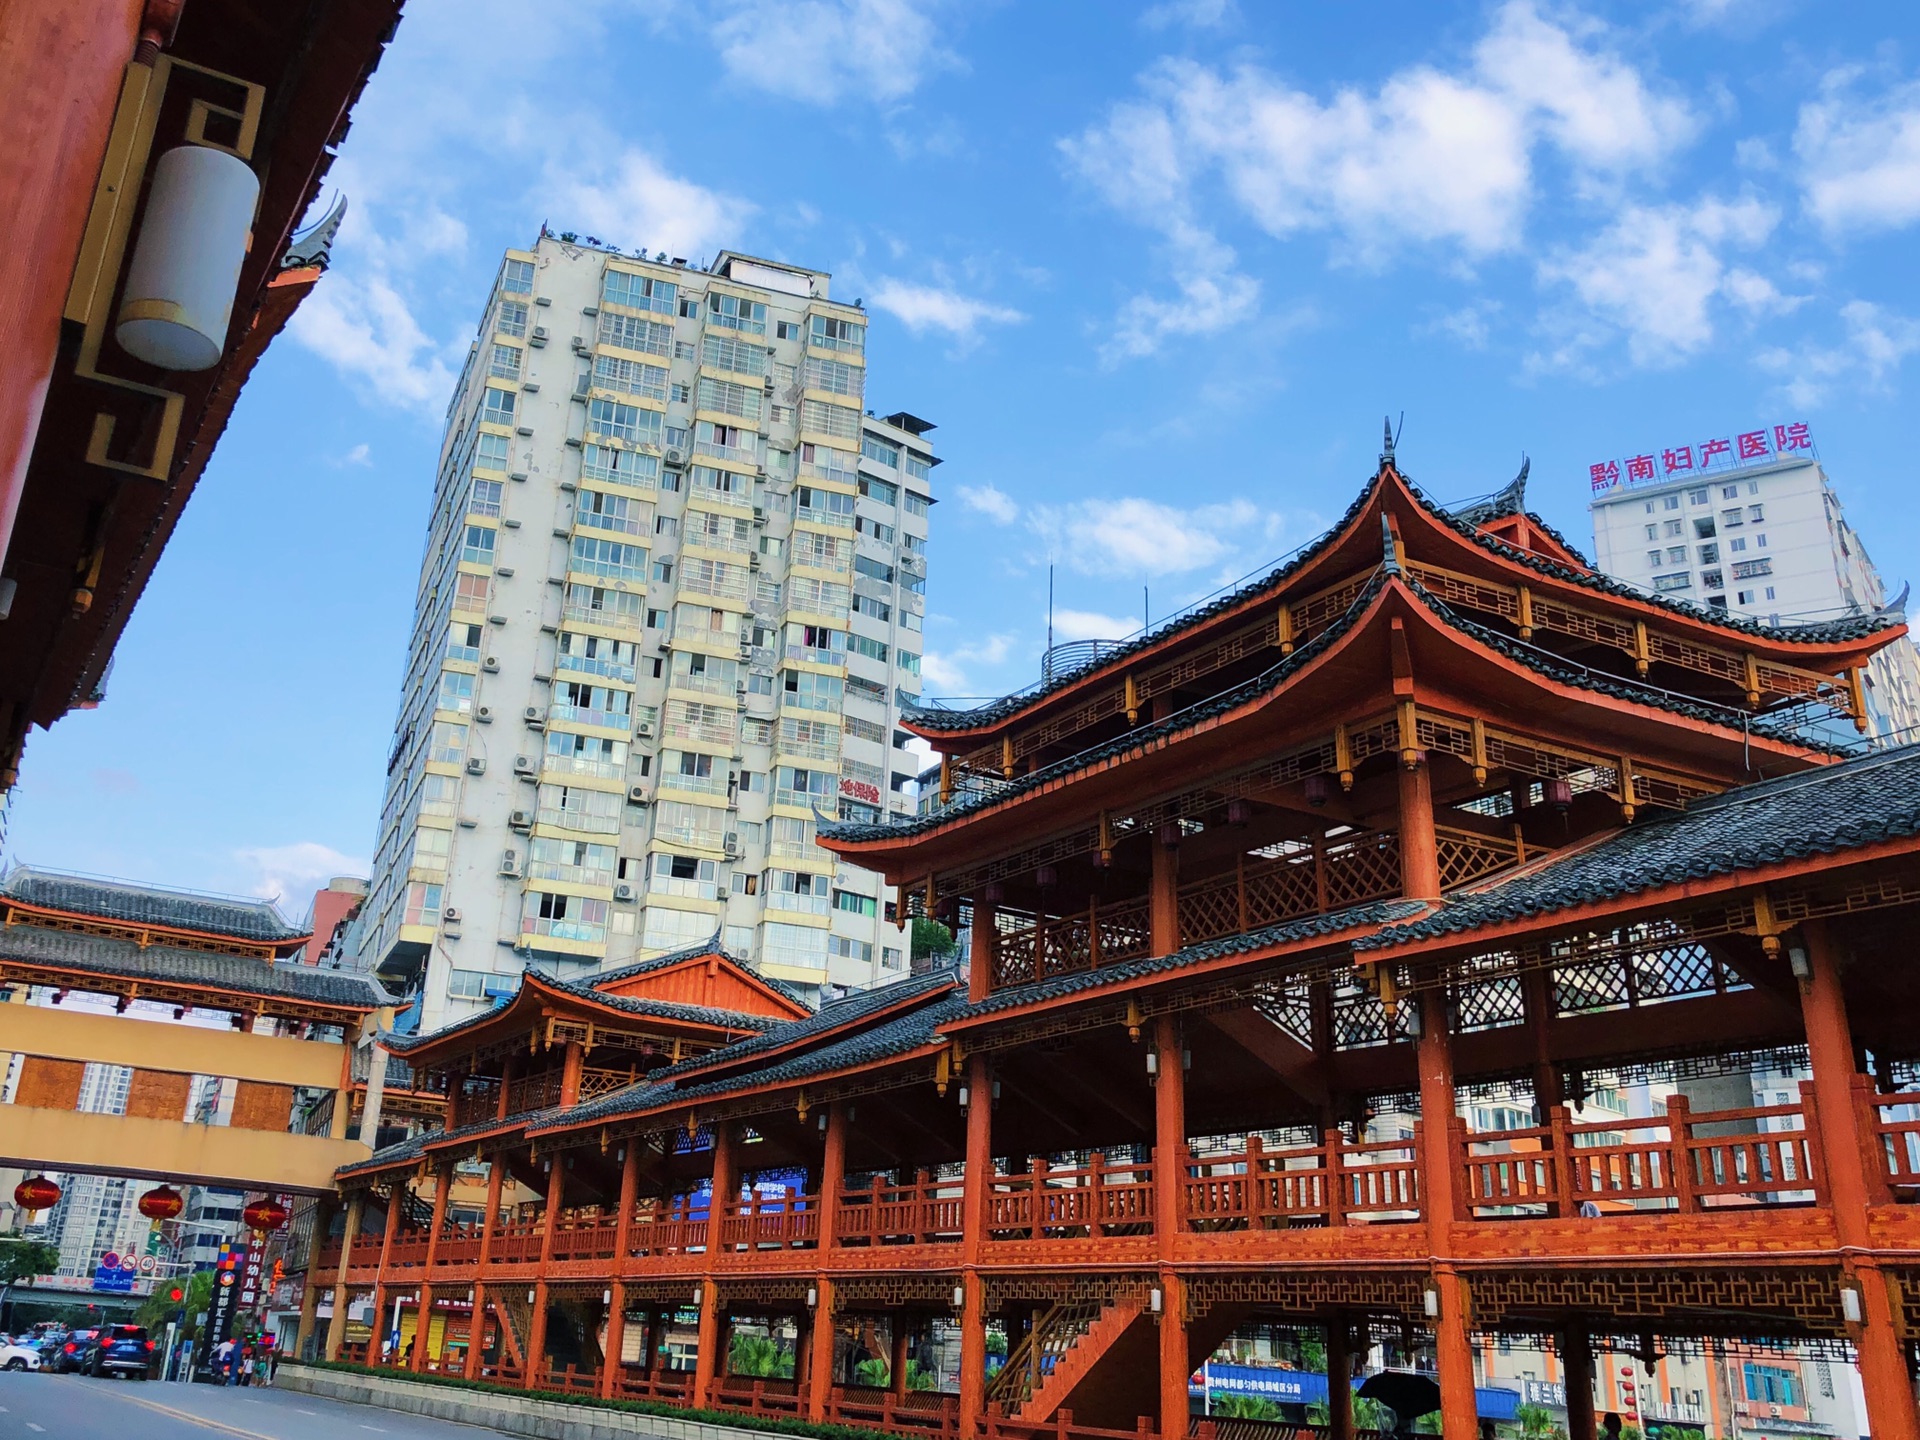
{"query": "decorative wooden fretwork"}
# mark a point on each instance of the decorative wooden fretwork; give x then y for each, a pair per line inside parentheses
(783, 1291)
(661, 1292)
(1903, 1281)
(891, 1291)
(1705, 1300)
(1102, 1289)
(1397, 1292)
(142, 935)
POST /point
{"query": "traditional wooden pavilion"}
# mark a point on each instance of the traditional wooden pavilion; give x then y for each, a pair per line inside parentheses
(1433, 810)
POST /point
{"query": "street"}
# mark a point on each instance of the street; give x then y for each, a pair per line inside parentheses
(72, 1407)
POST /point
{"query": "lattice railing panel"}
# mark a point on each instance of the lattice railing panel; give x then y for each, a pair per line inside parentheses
(1364, 867)
(1466, 856)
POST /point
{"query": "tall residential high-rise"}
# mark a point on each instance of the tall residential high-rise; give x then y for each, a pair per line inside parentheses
(1750, 524)
(670, 606)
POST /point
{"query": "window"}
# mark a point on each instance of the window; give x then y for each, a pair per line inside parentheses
(604, 511)
(1760, 542)
(1731, 519)
(728, 398)
(867, 605)
(791, 891)
(1744, 597)
(624, 422)
(830, 333)
(918, 504)
(872, 649)
(800, 947)
(1756, 513)
(786, 330)
(467, 984)
(448, 742)
(876, 449)
(430, 849)
(511, 318)
(686, 823)
(874, 529)
(638, 292)
(742, 357)
(608, 558)
(586, 754)
(682, 392)
(873, 569)
(1711, 580)
(1709, 554)
(843, 947)
(1739, 542)
(824, 419)
(1677, 555)
(1752, 570)
(516, 277)
(571, 808)
(463, 642)
(620, 467)
(806, 690)
(505, 364)
(484, 497)
(828, 507)
(631, 332)
(835, 376)
(496, 408)
(423, 905)
(1772, 596)
(907, 661)
(675, 929)
(1770, 1384)
(581, 703)
(478, 547)
(919, 466)
(684, 875)
(491, 454)
(1673, 528)
(1697, 497)
(795, 786)
(1653, 532)
(581, 862)
(598, 605)
(1703, 527)
(855, 904)
(1672, 502)
(564, 917)
(1682, 581)
(1656, 558)
(456, 692)
(883, 491)
(630, 377)
(892, 959)
(736, 312)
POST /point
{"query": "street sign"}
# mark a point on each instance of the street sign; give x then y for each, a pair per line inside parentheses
(114, 1274)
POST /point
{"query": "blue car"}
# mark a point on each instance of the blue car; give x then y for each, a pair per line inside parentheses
(121, 1350)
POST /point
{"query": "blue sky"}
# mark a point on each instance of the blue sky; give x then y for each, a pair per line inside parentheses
(1157, 270)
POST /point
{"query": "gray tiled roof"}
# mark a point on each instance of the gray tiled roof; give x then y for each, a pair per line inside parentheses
(132, 904)
(1541, 662)
(241, 974)
(1831, 632)
(1309, 927)
(409, 1149)
(1818, 812)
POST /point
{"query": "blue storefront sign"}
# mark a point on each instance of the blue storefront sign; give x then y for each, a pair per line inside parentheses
(1305, 1387)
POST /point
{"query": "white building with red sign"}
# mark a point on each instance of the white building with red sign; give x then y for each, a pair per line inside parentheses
(1749, 523)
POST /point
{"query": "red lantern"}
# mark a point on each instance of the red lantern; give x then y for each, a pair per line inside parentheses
(161, 1204)
(36, 1194)
(266, 1214)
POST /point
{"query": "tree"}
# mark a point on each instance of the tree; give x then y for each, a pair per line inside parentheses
(1245, 1407)
(159, 1307)
(22, 1259)
(932, 940)
(759, 1356)
(1536, 1423)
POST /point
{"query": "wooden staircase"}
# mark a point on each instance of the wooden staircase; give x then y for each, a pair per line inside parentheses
(515, 1314)
(1068, 1342)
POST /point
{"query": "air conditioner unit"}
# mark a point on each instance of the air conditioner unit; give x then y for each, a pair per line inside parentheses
(523, 429)
(674, 457)
(535, 720)
(520, 820)
(624, 892)
(524, 765)
(505, 572)
(753, 562)
(539, 336)
(759, 515)
(483, 714)
(496, 619)
(574, 442)
(731, 845)
(516, 475)
(510, 523)
(639, 794)
(769, 385)
(491, 665)
(581, 386)
(644, 729)
(561, 532)
(450, 924)
(476, 765)
(449, 916)
(543, 300)
(531, 387)
(540, 677)
(567, 487)
(510, 863)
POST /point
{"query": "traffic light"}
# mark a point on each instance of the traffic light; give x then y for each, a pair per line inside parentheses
(176, 1294)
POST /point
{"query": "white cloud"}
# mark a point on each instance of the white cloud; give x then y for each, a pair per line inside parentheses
(1429, 156)
(1090, 625)
(361, 454)
(1197, 14)
(820, 51)
(1470, 325)
(1860, 158)
(927, 307)
(638, 204)
(1654, 273)
(990, 501)
(948, 669)
(1874, 345)
(363, 326)
(1131, 538)
(291, 873)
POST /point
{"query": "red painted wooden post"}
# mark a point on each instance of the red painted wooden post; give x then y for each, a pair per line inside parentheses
(1334, 1158)
(1039, 1196)
(1680, 1157)
(1096, 1182)
(1564, 1175)
(1256, 1183)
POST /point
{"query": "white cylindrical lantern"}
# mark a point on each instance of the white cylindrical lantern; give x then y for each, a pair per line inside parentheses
(186, 264)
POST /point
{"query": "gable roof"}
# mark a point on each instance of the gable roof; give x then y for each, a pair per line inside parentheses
(778, 991)
(1507, 501)
(129, 903)
(1818, 812)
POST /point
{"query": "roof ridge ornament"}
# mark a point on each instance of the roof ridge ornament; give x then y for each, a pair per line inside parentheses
(315, 247)
(1390, 553)
(1386, 440)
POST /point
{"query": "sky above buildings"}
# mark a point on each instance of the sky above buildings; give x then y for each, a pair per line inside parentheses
(1156, 270)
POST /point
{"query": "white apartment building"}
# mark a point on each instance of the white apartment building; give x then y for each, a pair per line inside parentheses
(1762, 536)
(670, 607)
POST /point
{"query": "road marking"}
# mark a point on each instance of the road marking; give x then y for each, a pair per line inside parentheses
(375, 1428)
(187, 1416)
(306, 1412)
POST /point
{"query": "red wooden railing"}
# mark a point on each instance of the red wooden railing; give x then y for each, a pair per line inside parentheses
(1762, 1155)
(569, 1380)
(919, 1412)
(409, 1248)
(327, 1260)
(668, 1385)
(459, 1245)
(1896, 1128)
(757, 1395)
(771, 1222)
(1333, 1183)
(517, 1243)
(585, 1234)
(670, 1229)
(1102, 1197)
(926, 1212)
(1060, 1427)
(366, 1251)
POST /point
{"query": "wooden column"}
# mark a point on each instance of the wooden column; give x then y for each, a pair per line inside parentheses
(1169, 1177)
(536, 1356)
(392, 1228)
(571, 1066)
(422, 1330)
(1839, 1098)
(610, 1368)
(982, 946)
(1419, 850)
(1163, 898)
(1453, 1344)
(1339, 1379)
(1576, 1356)
(725, 1183)
(476, 1330)
(724, 1188)
(337, 1322)
(977, 1182)
(442, 1183)
(310, 1292)
(833, 1173)
(706, 1364)
(897, 1359)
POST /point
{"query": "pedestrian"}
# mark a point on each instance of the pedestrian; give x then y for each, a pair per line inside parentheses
(223, 1359)
(1610, 1427)
(263, 1365)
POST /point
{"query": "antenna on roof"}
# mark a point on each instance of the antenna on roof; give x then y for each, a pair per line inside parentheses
(1146, 608)
(1049, 609)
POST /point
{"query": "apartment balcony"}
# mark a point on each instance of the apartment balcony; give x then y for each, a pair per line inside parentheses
(595, 665)
(711, 786)
(588, 715)
(790, 904)
(564, 765)
(611, 619)
(578, 930)
(570, 874)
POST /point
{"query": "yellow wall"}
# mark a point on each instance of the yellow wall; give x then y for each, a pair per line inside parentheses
(173, 1150)
(60, 1034)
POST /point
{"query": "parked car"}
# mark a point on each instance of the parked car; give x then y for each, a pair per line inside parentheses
(19, 1357)
(70, 1354)
(120, 1350)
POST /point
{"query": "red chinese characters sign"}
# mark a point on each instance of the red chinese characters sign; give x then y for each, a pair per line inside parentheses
(1726, 452)
(860, 790)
